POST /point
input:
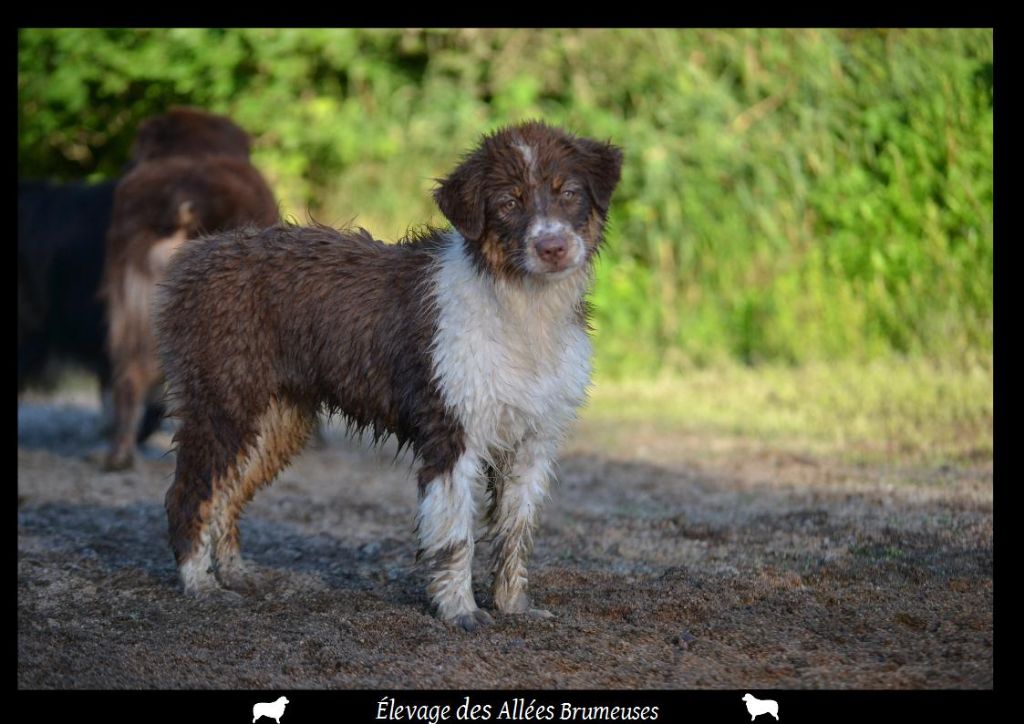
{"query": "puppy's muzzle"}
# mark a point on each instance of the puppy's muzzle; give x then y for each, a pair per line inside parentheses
(557, 253)
(553, 251)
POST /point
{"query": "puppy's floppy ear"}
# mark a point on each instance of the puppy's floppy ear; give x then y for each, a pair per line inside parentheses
(460, 198)
(602, 167)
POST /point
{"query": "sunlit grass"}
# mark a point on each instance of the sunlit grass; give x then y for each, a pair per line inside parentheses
(896, 411)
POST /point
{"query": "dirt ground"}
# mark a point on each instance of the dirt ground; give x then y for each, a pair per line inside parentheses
(668, 561)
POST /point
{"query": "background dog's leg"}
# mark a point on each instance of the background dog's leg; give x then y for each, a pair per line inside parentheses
(445, 526)
(134, 375)
(131, 348)
(130, 294)
(511, 519)
(283, 431)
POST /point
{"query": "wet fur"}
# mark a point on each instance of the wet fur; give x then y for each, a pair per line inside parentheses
(460, 343)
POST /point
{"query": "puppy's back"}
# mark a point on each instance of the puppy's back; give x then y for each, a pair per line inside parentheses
(312, 314)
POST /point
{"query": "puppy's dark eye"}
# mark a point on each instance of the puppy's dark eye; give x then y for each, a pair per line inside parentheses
(510, 205)
(568, 194)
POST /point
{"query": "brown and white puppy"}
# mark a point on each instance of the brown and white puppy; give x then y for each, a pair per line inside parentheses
(191, 175)
(470, 345)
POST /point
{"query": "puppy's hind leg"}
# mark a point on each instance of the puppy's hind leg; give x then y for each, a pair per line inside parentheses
(189, 505)
(283, 430)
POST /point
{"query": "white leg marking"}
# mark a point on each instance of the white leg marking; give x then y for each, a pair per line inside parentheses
(196, 574)
(445, 525)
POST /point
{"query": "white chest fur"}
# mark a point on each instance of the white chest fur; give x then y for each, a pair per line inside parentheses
(510, 359)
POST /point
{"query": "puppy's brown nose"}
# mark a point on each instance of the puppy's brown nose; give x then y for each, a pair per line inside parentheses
(551, 249)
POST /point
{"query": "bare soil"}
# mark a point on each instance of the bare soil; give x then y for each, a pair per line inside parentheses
(669, 561)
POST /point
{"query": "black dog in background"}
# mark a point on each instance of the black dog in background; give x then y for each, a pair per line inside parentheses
(61, 248)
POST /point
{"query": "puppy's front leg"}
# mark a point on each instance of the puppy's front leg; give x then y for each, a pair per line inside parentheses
(512, 518)
(445, 526)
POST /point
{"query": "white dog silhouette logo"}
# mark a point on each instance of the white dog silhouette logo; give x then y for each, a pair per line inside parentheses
(757, 707)
(272, 710)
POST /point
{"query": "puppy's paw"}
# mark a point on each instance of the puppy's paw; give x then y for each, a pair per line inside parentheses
(201, 585)
(244, 579)
(472, 620)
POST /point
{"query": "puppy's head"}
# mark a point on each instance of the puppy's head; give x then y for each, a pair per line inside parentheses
(531, 200)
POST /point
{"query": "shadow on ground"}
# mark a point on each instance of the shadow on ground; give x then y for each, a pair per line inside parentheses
(766, 572)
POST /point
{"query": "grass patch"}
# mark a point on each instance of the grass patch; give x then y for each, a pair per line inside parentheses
(897, 411)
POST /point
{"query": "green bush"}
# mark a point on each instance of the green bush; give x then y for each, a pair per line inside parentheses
(787, 195)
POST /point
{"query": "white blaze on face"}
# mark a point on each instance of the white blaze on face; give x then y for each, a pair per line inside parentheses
(544, 226)
(530, 157)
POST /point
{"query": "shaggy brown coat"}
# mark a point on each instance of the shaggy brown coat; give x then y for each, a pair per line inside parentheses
(259, 330)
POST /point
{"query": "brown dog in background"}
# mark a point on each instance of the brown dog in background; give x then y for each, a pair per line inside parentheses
(192, 175)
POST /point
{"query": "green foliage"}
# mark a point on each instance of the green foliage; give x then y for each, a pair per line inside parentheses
(787, 196)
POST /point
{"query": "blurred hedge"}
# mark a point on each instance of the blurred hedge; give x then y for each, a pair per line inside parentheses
(787, 195)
